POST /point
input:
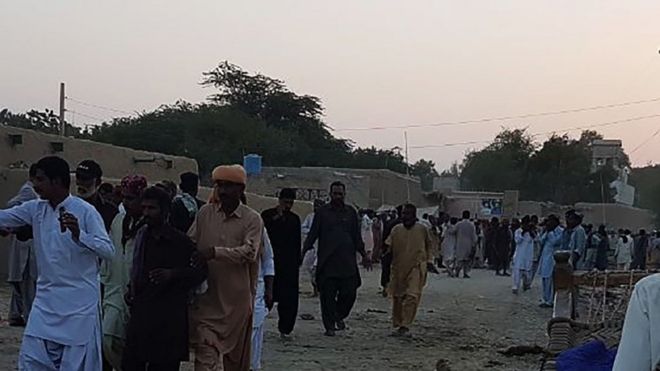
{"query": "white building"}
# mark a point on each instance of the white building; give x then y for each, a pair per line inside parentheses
(609, 152)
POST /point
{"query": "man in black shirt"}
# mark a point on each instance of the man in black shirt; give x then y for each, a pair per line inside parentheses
(185, 205)
(283, 227)
(337, 228)
(88, 181)
(163, 274)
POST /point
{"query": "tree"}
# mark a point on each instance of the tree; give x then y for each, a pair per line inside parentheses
(558, 171)
(501, 165)
(646, 181)
(454, 170)
(44, 121)
(426, 171)
(270, 100)
(262, 96)
(250, 113)
(375, 158)
(561, 172)
(587, 137)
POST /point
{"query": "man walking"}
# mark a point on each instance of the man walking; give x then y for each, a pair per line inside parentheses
(337, 228)
(502, 244)
(490, 239)
(641, 250)
(412, 253)
(228, 236)
(263, 301)
(89, 178)
(185, 204)
(386, 256)
(22, 272)
(63, 331)
(310, 258)
(550, 241)
(602, 241)
(574, 239)
(466, 240)
(162, 277)
(524, 255)
(115, 272)
(283, 228)
(448, 246)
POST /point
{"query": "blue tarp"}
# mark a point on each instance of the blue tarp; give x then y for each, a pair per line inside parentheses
(592, 356)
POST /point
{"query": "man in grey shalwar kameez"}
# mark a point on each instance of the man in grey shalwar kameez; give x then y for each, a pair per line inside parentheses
(466, 240)
(22, 269)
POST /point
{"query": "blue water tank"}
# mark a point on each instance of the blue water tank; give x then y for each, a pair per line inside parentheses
(252, 164)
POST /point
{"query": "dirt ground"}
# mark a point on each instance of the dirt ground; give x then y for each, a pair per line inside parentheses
(463, 322)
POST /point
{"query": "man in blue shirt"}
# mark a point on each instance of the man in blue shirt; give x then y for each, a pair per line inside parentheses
(550, 241)
(574, 239)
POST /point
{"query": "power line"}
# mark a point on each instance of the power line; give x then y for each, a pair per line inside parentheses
(99, 106)
(502, 118)
(610, 123)
(86, 115)
(645, 141)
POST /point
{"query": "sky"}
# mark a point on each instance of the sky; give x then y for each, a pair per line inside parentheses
(373, 63)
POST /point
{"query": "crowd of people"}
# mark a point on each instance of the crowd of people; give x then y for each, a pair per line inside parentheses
(524, 246)
(134, 277)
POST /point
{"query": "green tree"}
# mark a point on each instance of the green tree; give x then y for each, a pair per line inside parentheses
(375, 158)
(44, 121)
(249, 113)
(261, 96)
(270, 100)
(426, 171)
(208, 133)
(454, 170)
(500, 166)
(560, 171)
(646, 181)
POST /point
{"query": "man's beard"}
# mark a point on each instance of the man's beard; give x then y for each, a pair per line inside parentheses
(86, 193)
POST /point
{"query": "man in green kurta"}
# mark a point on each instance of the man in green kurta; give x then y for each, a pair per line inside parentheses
(412, 255)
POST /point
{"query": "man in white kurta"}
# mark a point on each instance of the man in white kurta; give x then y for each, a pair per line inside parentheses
(310, 258)
(367, 233)
(266, 269)
(639, 349)
(523, 257)
(63, 331)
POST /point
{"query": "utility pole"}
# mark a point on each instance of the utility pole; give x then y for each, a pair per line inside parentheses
(62, 109)
(602, 197)
(405, 137)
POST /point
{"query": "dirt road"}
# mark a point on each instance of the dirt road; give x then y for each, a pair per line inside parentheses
(463, 322)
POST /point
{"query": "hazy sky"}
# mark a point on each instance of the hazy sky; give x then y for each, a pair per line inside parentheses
(372, 62)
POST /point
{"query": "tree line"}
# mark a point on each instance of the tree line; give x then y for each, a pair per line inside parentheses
(254, 113)
(557, 170)
(246, 113)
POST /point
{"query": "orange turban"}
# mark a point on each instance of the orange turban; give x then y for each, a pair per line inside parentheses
(230, 173)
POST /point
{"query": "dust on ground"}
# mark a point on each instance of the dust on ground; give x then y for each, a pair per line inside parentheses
(464, 322)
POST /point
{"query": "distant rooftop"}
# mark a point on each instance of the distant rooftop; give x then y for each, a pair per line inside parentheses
(607, 142)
